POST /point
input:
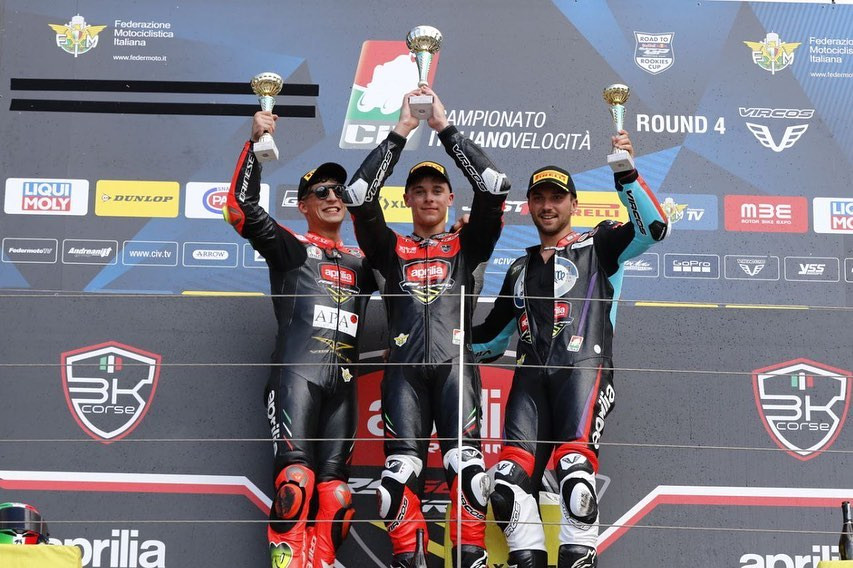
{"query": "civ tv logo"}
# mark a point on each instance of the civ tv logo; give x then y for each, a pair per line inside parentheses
(109, 387)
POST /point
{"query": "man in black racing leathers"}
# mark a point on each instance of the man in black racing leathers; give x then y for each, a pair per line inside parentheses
(424, 273)
(320, 290)
(560, 299)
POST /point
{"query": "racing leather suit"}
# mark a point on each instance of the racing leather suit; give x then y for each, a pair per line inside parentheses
(564, 312)
(423, 280)
(320, 291)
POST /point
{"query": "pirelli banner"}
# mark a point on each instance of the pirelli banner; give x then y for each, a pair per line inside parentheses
(137, 325)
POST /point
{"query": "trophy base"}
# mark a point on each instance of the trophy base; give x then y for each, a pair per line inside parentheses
(421, 106)
(265, 150)
(620, 161)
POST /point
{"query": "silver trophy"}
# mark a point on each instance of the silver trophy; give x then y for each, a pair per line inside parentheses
(266, 86)
(423, 41)
(616, 95)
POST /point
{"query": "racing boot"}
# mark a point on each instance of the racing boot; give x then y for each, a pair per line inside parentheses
(576, 556)
(528, 559)
(472, 557)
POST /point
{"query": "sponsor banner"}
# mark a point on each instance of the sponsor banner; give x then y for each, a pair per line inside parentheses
(766, 213)
(77, 251)
(597, 206)
(252, 258)
(386, 71)
(211, 255)
(803, 404)
(205, 200)
(496, 383)
(691, 212)
(149, 253)
(647, 265)
(848, 269)
(394, 207)
(45, 196)
(653, 51)
(812, 269)
(705, 266)
(130, 198)
(751, 267)
(832, 215)
(30, 251)
(109, 387)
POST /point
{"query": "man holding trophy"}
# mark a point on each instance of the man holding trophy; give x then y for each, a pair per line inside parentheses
(320, 289)
(561, 298)
(425, 273)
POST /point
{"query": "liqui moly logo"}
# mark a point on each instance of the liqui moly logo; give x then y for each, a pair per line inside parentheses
(109, 387)
(803, 404)
(41, 196)
(386, 71)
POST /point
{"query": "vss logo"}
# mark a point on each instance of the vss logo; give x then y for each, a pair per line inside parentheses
(803, 404)
(386, 71)
(812, 269)
(109, 387)
(762, 132)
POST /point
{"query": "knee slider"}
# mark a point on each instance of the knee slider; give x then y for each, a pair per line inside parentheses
(294, 487)
(335, 500)
(400, 471)
(507, 474)
(470, 468)
(577, 489)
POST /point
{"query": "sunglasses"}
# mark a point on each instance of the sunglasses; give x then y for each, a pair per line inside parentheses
(322, 191)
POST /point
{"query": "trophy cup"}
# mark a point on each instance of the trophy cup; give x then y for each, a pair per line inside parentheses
(616, 95)
(266, 86)
(423, 41)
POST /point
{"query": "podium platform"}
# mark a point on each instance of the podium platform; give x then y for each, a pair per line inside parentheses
(40, 556)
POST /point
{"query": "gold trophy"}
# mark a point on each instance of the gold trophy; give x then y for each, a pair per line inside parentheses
(423, 41)
(616, 95)
(266, 86)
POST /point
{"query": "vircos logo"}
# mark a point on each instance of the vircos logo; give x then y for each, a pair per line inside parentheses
(109, 387)
(386, 71)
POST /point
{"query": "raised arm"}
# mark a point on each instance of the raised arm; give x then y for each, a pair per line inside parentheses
(242, 210)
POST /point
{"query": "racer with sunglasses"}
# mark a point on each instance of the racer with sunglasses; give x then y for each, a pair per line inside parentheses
(424, 273)
(320, 291)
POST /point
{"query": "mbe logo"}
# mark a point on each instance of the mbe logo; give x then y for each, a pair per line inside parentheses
(109, 387)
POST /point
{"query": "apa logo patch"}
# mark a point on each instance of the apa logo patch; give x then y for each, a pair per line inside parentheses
(109, 387)
(803, 404)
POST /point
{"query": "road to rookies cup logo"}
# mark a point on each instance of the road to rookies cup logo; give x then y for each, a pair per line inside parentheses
(803, 404)
(109, 387)
(386, 71)
(76, 37)
(653, 52)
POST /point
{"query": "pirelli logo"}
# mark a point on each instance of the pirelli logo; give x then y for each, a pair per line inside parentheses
(551, 174)
(307, 176)
(434, 165)
(597, 206)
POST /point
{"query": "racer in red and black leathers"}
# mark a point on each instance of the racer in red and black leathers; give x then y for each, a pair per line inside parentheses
(423, 280)
(320, 290)
(563, 310)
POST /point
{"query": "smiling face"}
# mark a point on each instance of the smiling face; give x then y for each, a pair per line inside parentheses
(551, 209)
(322, 215)
(429, 197)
